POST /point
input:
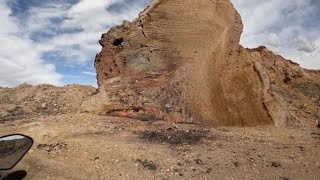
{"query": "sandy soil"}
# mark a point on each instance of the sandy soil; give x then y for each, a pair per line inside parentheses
(85, 146)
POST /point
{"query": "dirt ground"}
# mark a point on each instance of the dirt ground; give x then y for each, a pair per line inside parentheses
(70, 144)
(85, 146)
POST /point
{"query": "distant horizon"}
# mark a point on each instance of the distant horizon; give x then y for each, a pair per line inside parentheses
(55, 43)
(59, 86)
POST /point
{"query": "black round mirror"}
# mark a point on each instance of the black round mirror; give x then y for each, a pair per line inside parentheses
(12, 149)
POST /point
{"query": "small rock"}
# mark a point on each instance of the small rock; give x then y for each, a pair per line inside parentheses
(178, 174)
(193, 168)
(284, 178)
(126, 24)
(275, 164)
(236, 164)
(96, 159)
(147, 164)
(208, 170)
(175, 169)
(168, 106)
(301, 148)
(43, 105)
(198, 161)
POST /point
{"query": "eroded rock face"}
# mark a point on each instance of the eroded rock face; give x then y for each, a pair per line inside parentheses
(181, 61)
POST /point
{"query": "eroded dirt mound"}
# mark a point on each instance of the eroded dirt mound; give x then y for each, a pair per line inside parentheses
(30, 101)
(181, 61)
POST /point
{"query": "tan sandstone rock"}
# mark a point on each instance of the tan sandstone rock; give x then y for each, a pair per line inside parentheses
(181, 61)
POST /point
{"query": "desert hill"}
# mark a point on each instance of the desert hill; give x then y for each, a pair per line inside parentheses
(27, 101)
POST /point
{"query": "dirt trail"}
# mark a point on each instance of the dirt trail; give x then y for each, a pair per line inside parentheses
(85, 146)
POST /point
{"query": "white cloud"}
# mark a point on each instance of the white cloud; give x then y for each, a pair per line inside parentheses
(72, 40)
(273, 39)
(288, 27)
(303, 44)
(91, 17)
(94, 19)
(88, 73)
(20, 63)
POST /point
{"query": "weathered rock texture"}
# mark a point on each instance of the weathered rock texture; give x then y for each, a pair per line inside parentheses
(181, 61)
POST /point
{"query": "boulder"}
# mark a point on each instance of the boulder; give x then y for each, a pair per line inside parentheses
(181, 61)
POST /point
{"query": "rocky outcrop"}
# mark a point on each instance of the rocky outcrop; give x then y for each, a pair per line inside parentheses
(181, 61)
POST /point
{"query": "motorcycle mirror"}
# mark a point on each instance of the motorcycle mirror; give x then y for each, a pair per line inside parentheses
(12, 149)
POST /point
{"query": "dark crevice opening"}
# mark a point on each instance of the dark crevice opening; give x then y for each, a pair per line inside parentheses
(117, 42)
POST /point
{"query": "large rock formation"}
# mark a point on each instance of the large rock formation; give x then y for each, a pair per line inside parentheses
(181, 61)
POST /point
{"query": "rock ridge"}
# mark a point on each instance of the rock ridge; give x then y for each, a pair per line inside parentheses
(181, 61)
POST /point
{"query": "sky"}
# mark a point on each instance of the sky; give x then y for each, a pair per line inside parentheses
(55, 41)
